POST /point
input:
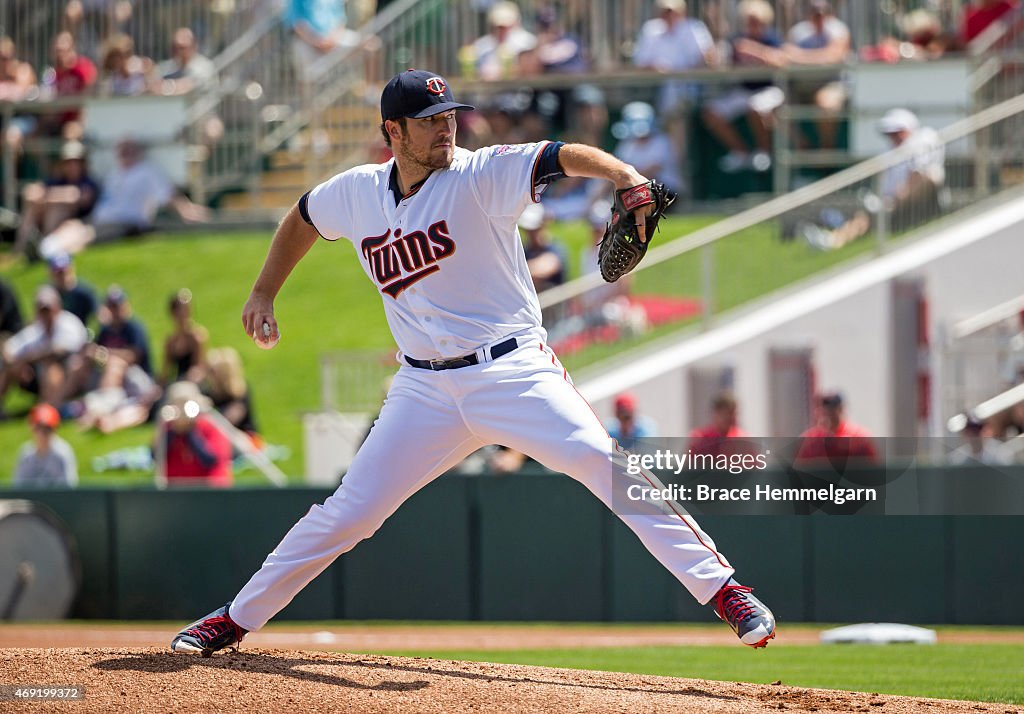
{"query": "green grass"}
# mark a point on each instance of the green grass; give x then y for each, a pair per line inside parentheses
(990, 673)
(328, 304)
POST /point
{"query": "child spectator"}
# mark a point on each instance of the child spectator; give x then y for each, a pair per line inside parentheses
(47, 461)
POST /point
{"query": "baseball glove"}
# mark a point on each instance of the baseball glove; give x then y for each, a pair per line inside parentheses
(620, 249)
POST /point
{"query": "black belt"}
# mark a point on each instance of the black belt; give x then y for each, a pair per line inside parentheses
(499, 350)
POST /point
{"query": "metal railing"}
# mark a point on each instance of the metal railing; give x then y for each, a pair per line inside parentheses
(985, 355)
(779, 242)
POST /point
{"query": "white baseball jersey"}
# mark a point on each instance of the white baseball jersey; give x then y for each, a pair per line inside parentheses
(447, 259)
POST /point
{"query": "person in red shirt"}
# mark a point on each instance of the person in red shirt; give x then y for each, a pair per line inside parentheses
(977, 16)
(713, 438)
(71, 75)
(195, 450)
(833, 437)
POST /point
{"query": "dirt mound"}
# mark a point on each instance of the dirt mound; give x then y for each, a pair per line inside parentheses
(152, 679)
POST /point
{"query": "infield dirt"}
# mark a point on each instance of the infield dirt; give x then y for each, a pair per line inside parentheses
(267, 680)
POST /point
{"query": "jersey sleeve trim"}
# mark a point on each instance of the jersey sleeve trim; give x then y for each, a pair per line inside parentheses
(304, 212)
(537, 182)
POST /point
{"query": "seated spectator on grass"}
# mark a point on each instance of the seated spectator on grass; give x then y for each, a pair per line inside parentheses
(911, 190)
(833, 438)
(47, 461)
(496, 54)
(755, 99)
(36, 358)
(629, 426)
(70, 193)
(131, 195)
(545, 260)
(190, 448)
(821, 38)
(713, 438)
(125, 74)
(185, 347)
(113, 372)
(10, 312)
(77, 296)
(227, 388)
(643, 145)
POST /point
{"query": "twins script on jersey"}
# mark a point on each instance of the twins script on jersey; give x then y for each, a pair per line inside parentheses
(446, 260)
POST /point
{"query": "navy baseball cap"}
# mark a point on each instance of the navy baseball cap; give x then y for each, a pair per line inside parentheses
(417, 94)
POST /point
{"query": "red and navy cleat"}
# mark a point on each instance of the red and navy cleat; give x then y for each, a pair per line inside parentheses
(214, 632)
(748, 617)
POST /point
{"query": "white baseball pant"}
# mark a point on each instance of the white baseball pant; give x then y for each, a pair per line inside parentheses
(430, 422)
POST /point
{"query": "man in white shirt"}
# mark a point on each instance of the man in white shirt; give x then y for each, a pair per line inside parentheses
(911, 190)
(496, 54)
(673, 42)
(36, 357)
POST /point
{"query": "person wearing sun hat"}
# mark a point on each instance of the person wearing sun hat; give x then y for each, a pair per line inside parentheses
(47, 461)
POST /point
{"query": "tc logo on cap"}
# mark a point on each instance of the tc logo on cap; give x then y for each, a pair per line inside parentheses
(436, 85)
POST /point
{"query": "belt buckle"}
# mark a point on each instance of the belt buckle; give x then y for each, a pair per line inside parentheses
(438, 364)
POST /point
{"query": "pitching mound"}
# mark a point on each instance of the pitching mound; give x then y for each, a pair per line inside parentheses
(150, 679)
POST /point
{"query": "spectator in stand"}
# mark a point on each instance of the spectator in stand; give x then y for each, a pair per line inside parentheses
(642, 145)
(77, 296)
(921, 38)
(71, 75)
(189, 446)
(17, 83)
(17, 78)
(496, 54)
(556, 52)
(125, 74)
(589, 124)
(714, 437)
(979, 446)
(833, 438)
(319, 28)
(132, 194)
(70, 193)
(629, 426)
(545, 260)
(673, 42)
(821, 38)
(757, 99)
(186, 69)
(227, 388)
(911, 190)
(978, 15)
(36, 357)
(185, 347)
(10, 312)
(47, 461)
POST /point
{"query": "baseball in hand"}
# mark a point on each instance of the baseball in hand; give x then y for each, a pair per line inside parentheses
(265, 342)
